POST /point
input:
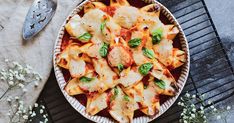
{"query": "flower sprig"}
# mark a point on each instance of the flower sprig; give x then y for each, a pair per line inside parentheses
(201, 112)
(17, 75)
(18, 112)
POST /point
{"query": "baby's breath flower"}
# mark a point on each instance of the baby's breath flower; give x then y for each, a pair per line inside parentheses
(193, 115)
(187, 95)
(212, 107)
(228, 107)
(25, 117)
(36, 84)
(6, 60)
(215, 109)
(16, 98)
(35, 105)
(21, 85)
(209, 102)
(41, 111)
(194, 96)
(218, 117)
(11, 83)
(8, 114)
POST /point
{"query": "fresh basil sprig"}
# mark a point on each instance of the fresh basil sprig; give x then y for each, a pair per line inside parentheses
(85, 37)
(148, 53)
(145, 68)
(157, 35)
(103, 50)
(120, 67)
(160, 83)
(133, 43)
(85, 79)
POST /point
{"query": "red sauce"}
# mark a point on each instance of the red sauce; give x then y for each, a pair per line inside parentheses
(126, 34)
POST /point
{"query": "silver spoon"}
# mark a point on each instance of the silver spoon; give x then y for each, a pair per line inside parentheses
(38, 16)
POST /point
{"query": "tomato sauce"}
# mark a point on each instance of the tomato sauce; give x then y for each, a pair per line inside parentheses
(66, 40)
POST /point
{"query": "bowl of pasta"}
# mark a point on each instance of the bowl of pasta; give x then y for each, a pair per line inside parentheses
(121, 60)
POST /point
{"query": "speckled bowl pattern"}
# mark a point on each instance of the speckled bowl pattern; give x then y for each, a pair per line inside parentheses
(143, 119)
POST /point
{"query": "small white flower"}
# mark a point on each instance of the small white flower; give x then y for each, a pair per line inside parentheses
(187, 95)
(35, 105)
(10, 78)
(228, 107)
(194, 109)
(194, 96)
(215, 109)
(202, 112)
(21, 85)
(16, 98)
(185, 121)
(21, 102)
(218, 117)
(204, 117)
(25, 117)
(8, 99)
(192, 105)
(36, 84)
(30, 107)
(33, 114)
(44, 116)
(209, 102)
(193, 115)
(201, 107)
(212, 107)
(41, 111)
(9, 114)
(43, 107)
(11, 83)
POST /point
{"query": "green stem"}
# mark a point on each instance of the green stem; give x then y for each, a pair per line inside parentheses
(4, 93)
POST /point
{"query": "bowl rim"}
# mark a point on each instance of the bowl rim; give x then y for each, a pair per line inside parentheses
(163, 108)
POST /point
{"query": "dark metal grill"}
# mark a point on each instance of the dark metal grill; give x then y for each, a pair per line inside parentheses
(211, 72)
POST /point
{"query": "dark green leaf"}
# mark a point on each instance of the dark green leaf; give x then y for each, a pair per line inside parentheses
(148, 53)
(160, 83)
(85, 37)
(134, 42)
(103, 50)
(85, 79)
(157, 35)
(126, 98)
(145, 86)
(120, 67)
(145, 68)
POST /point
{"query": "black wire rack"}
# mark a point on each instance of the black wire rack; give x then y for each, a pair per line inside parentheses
(211, 72)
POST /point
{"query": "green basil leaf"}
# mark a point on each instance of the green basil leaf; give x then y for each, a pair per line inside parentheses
(126, 98)
(148, 53)
(120, 67)
(157, 35)
(134, 42)
(103, 24)
(160, 83)
(145, 68)
(85, 37)
(85, 79)
(145, 86)
(103, 50)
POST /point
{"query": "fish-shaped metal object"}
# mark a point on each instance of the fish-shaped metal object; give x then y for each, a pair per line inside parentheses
(38, 16)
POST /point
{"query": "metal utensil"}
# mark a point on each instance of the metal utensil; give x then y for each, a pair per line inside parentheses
(38, 16)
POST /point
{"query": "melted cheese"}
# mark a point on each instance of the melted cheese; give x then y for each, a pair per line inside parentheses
(135, 92)
(126, 16)
(72, 87)
(128, 78)
(122, 110)
(105, 73)
(96, 103)
(93, 86)
(77, 67)
(74, 27)
(150, 102)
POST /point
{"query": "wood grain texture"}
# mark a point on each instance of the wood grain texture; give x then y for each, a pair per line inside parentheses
(36, 52)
